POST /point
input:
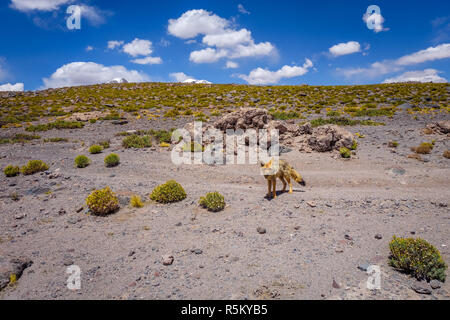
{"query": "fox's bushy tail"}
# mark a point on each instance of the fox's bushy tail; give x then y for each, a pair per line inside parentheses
(297, 177)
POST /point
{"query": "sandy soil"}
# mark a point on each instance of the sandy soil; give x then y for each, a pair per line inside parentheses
(314, 237)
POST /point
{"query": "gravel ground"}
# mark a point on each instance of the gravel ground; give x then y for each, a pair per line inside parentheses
(314, 239)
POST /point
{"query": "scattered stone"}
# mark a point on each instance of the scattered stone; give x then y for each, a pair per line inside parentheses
(378, 236)
(62, 212)
(167, 260)
(120, 122)
(336, 285)
(435, 284)
(364, 266)
(79, 209)
(348, 237)
(421, 288)
(197, 251)
(261, 230)
(312, 204)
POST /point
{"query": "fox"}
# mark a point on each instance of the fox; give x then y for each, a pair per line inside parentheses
(284, 172)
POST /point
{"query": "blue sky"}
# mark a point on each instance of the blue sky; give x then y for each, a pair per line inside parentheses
(242, 41)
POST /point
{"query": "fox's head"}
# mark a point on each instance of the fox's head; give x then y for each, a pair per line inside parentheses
(268, 168)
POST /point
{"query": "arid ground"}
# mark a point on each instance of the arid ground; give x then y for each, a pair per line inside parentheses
(315, 239)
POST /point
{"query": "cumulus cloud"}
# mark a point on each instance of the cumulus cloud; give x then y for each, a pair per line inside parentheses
(376, 20)
(427, 75)
(221, 40)
(262, 76)
(231, 65)
(138, 47)
(114, 44)
(89, 48)
(195, 22)
(88, 73)
(342, 49)
(389, 66)
(433, 53)
(241, 9)
(11, 87)
(93, 15)
(40, 5)
(179, 76)
(148, 60)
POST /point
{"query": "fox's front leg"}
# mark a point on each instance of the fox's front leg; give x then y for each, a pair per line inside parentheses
(269, 186)
(274, 185)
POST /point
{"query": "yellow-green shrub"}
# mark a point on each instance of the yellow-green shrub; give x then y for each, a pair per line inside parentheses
(213, 201)
(169, 192)
(424, 148)
(34, 166)
(102, 202)
(82, 162)
(112, 160)
(446, 154)
(417, 257)
(345, 153)
(136, 202)
(136, 141)
(11, 171)
(95, 149)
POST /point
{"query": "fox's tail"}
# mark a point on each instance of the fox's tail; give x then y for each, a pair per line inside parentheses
(297, 177)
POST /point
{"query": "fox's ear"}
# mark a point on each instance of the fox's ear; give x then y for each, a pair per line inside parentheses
(269, 164)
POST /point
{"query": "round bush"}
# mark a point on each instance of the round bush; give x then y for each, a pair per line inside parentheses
(95, 149)
(214, 202)
(102, 202)
(11, 171)
(112, 160)
(417, 257)
(169, 192)
(345, 153)
(82, 162)
(136, 141)
(34, 166)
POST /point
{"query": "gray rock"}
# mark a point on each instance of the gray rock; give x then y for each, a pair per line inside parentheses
(435, 284)
(261, 230)
(421, 288)
(167, 260)
(12, 266)
(364, 266)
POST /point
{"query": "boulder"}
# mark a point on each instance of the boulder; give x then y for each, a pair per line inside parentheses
(442, 127)
(12, 267)
(330, 137)
(245, 118)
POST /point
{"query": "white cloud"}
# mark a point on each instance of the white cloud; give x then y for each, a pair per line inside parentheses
(228, 39)
(94, 15)
(231, 65)
(222, 41)
(195, 22)
(88, 73)
(376, 20)
(427, 75)
(433, 53)
(114, 44)
(261, 76)
(389, 66)
(148, 60)
(179, 76)
(207, 55)
(11, 87)
(182, 77)
(40, 5)
(138, 47)
(241, 9)
(89, 48)
(342, 49)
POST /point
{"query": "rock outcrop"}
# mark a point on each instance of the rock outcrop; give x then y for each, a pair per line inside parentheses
(300, 136)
